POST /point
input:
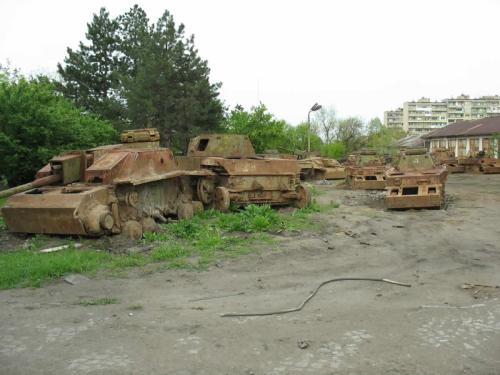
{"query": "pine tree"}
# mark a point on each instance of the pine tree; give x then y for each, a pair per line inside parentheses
(148, 75)
(89, 75)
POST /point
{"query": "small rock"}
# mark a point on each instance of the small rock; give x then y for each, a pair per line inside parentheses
(139, 249)
(379, 294)
(331, 247)
(303, 344)
(130, 314)
(219, 265)
(75, 279)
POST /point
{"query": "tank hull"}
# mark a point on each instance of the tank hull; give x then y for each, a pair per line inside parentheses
(56, 210)
(416, 189)
(366, 178)
(490, 166)
(409, 202)
(239, 176)
(123, 188)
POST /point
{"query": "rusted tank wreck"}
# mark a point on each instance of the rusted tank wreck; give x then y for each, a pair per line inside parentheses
(365, 170)
(320, 168)
(238, 176)
(415, 182)
(120, 188)
(445, 156)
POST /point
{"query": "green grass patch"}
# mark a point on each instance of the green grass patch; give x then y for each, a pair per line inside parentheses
(97, 301)
(188, 244)
(2, 221)
(314, 190)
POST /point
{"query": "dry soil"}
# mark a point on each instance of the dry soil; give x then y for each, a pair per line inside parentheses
(352, 327)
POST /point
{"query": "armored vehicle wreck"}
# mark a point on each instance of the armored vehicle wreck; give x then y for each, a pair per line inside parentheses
(415, 182)
(365, 170)
(490, 165)
(319, 168)
(445, 156)
(120, 188)
(240, 177)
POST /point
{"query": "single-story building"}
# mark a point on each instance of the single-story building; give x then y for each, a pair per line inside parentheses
(467, 138)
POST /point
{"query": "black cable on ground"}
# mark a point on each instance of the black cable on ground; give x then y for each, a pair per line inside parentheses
(315, 291)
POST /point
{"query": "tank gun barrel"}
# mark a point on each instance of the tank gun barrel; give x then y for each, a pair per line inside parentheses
(39, 182)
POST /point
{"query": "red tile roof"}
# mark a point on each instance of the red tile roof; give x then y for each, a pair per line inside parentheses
(484, 126)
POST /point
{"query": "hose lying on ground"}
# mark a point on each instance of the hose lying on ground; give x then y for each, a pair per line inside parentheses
(314, 292)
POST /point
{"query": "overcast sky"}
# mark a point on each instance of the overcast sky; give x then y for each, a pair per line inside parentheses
(361, 57)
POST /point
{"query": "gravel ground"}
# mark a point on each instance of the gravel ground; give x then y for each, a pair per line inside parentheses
(438, 326)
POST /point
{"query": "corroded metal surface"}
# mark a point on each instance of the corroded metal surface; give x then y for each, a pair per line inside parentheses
(244, 177)
(221, 145)
(445, 156)
(490, 165)
(318, 168)
(415, 182)
(470, 164)
(109, 189)
(365, 170)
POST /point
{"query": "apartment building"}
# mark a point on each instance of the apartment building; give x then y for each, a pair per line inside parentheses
(394, 119)
(464, 108)
(424, 115)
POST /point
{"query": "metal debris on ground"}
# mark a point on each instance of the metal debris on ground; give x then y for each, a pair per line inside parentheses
(303, 344)
(58, 248)
(75, 279)
(215, 297)
(315, 291)
(351, 234)
(452, 307)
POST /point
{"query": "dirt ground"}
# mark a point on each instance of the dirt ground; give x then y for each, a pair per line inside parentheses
(351, 327)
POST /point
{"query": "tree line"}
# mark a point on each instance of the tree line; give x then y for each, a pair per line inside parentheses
(133, 73)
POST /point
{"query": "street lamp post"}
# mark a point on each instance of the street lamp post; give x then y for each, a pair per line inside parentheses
(314, 108)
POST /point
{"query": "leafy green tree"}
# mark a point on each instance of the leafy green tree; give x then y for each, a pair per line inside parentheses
(263, 129)
(297, 137)
(349, 133)
(326, 122)
(90, 73)
(138, 74)
(171, 89)
(36, 123)
(382, 138)
(335, 150)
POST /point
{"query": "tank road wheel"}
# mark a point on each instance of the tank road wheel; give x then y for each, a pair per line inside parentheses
(132, 229)
(185, 211)
(197, 206)
(149, 225)
(205, 189)
(221, 199)
(303, 196)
